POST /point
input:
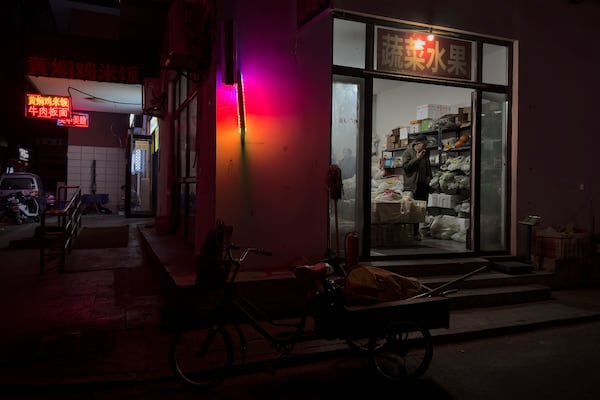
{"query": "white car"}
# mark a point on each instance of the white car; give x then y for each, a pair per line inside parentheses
(25, 182)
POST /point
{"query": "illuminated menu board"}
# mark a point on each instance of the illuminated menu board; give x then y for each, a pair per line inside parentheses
(47, 106)
(77, 120)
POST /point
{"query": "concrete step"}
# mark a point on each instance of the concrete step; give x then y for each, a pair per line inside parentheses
(490, 278)
(498, 296)
(433, 267)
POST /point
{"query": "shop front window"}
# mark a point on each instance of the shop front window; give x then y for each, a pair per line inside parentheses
(349, 43)
(495, 64)
(346, 153)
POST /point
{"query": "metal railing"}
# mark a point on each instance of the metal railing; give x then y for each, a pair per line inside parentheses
(59, 227)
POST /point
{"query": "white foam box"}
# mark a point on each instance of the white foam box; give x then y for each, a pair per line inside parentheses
(432, 111)
(448, 200)
(463, 223)
(433, 201)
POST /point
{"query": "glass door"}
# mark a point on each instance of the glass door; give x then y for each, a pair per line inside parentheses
(493, 172)
(139, 188)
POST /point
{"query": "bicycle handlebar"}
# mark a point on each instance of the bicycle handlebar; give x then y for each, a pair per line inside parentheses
(246, 251)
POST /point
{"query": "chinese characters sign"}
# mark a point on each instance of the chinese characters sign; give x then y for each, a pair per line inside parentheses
(47, 106)
(77, 120)
(92, 71)
(411, 53)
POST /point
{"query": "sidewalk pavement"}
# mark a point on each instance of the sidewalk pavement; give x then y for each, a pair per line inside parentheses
(100, 321)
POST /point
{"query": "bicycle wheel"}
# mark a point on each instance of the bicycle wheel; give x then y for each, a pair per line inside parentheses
(201, 357)
(401, 351)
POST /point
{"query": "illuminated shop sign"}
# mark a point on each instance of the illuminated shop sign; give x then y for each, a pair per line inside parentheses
(77, 120)
(23, 154)
(422, 54)
(47, 106)
(88, 70)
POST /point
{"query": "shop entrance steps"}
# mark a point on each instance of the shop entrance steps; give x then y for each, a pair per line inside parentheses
(277, 293)
(487, 288)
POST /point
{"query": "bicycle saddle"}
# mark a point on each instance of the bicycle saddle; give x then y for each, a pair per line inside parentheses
(311, 277)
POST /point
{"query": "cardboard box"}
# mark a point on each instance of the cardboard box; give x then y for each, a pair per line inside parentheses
(552, 243)
(391, 142)
(401, 212)
(388, 235)
(432, 111)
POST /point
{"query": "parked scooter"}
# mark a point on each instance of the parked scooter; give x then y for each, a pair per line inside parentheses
(10, 209)
(29, 208)
(17, 208)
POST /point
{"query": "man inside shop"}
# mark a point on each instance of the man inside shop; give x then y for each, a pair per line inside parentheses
(417, 173)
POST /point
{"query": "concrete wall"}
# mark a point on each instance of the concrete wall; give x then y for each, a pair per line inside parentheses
(104, 141)
(273, 189)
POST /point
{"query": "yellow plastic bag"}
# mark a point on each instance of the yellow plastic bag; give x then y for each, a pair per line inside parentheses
(368, 284)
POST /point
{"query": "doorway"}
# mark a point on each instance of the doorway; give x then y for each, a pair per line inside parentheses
(138, 190)
(403, 111)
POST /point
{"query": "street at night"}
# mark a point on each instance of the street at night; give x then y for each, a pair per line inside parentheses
(551, 364)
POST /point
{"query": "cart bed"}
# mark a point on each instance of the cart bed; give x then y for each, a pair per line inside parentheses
(429, 312)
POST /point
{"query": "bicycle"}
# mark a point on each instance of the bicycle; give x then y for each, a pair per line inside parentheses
(398, 345)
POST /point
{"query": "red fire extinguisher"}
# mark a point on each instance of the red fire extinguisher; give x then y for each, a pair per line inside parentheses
(352, 246)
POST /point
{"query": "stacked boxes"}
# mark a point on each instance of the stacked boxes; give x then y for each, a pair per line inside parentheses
(398, 137)
(432, 111)
(555, 244)
(464, 115)
(401, 212)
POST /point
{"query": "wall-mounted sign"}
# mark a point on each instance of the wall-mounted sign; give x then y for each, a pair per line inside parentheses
(308, 9)
(89, 70)
(77, 120)
(47, 106)
(415, 53)
(23, 154)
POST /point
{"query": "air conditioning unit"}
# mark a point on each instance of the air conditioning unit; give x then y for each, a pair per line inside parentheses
(154, 98)
(191, 33)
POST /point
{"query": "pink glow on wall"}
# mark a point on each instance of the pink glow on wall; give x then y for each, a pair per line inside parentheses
(261, 186)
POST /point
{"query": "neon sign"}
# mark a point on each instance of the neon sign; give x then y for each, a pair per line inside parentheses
(47, 106)
(241, 106)
(77, 120)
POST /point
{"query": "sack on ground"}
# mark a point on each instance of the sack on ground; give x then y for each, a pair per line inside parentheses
(368, 284)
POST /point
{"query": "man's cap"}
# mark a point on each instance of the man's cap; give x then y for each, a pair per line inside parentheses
(421, 139)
